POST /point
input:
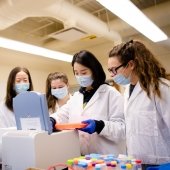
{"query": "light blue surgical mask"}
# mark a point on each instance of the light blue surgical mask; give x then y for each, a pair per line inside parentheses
(84, 81)
(121, 79)
(21, 87)
(60, 93)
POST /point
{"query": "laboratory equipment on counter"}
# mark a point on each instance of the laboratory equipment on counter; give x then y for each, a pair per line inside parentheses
(103, 162)
(24, 149)
(31, 112)
(3, 131)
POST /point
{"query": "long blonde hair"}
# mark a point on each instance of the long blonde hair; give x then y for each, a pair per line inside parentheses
(51, 100)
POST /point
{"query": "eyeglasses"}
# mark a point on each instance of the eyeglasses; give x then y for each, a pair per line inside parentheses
(113, 70)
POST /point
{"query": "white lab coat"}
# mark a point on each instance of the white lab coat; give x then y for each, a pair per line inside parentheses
(107, 105)
(57, 107)
(148, 124)
(7, 117)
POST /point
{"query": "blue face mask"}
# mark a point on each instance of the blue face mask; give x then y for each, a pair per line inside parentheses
(84, 81)
(21, 87)
(60, 93)
(121, 79)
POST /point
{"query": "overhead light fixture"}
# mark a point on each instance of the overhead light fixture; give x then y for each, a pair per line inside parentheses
(32, 49)
(128, 12)
(69, 34)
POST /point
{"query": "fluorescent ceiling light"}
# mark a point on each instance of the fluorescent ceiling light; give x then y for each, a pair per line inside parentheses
(32, 49)
(128, 12)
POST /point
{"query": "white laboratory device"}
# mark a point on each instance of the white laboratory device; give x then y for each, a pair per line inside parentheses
(25, 149)
(31, 111)
(2, 132)
(33, 144)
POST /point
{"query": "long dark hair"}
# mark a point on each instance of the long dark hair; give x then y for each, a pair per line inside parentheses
(10, 92)
(148, 69)
(88, 60)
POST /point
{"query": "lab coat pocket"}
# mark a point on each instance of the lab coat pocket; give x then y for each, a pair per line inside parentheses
(145, 123)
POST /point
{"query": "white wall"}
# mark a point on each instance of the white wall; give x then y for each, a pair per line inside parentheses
(38, 77)
(39, 68)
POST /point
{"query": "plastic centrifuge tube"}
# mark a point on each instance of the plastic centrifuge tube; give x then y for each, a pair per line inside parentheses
(129, 166)
(123, 167)
(138, 165)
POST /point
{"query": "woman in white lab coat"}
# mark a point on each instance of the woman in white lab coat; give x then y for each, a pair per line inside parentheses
(98, 105)
(147, 101)
(19, 80)
(57, 92)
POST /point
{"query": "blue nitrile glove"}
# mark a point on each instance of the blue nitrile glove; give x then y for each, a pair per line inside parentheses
(53, 122)
(91, 126)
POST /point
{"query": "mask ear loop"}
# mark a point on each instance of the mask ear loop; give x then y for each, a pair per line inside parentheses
(125, 68)
(124, 71)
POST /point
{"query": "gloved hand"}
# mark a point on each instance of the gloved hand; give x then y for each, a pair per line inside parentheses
(91, 126)
(53, 122)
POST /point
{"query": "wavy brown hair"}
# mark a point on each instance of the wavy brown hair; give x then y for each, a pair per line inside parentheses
(10, 92)
(51, 100)
(147, 67)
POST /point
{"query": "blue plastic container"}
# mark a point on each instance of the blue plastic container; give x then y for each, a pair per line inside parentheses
(160, 167)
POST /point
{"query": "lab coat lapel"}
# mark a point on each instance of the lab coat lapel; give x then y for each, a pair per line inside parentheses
(93, 99)
(134, 94)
